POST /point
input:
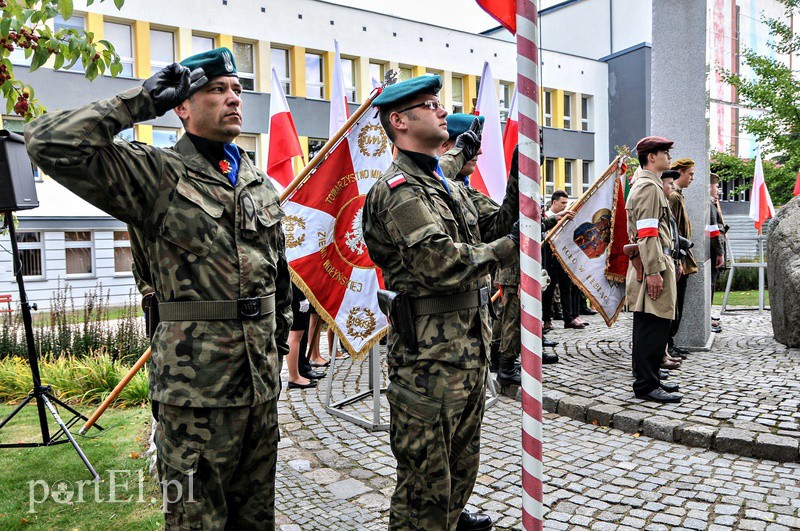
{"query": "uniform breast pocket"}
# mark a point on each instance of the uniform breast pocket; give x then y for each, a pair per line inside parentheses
(192, 219)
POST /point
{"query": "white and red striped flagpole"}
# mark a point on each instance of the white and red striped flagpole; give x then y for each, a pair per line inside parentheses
(530, 261)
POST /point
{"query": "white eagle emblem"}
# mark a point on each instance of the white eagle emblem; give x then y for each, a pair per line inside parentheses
(354, 238)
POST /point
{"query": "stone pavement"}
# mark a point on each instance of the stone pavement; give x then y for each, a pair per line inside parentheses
(334, 475)
(743, 396)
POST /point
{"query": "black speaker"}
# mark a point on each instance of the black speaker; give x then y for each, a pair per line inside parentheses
(17, 187)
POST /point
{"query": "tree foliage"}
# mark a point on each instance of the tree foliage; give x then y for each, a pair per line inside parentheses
(24, 26)
(780, 178)
(774, 92)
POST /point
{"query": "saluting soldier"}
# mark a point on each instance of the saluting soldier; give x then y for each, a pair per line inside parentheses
(652, 299)
(436, 241)
(457, 124)
(214, 251)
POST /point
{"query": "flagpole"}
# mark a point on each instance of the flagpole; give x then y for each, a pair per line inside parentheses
(528, 71)
(313, 163)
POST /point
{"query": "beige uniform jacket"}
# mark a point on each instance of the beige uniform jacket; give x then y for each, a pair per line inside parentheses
(648, 226)
(678, 206)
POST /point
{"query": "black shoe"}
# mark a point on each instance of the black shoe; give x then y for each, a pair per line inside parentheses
(549, 342)
(659, 395)
(588, 311)
(548, 358)
(663, 374)
(716, 329)
(473, 522)
(508, 378)
(678, 352)
(311, 383)
(314, 375)
(669, 387)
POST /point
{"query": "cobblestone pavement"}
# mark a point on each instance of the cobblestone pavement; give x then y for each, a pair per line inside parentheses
(747, 381)
(334, 475)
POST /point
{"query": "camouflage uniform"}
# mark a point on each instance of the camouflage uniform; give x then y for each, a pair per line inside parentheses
(429, 243)
(216, 381)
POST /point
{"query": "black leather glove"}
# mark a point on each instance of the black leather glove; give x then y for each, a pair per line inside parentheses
(514, 234)
(168, 87)
(470, 140)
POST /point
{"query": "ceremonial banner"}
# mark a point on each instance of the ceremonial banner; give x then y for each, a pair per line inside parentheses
(324, 241)
(761, 208)
(584, 244)
(511, 132)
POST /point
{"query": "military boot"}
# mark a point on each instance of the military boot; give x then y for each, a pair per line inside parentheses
(494, 356)
(509, 373)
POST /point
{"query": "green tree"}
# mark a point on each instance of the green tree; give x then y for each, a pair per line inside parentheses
(23, 25)
(774, 92)
(780, 178)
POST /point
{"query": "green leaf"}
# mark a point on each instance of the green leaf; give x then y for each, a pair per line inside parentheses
(65, 8)
(5, 25)
(39, 58)
(116, 69)
(59, 61)
(91, 71)
(9, 105)
(119, 3)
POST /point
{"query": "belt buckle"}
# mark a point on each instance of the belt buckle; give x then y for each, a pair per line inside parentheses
(483, 295)
(249, 308)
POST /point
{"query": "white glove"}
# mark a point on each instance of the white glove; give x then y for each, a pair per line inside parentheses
(545, 279)
(304, 306)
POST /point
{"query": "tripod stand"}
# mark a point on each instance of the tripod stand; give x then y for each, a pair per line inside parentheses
(42, 394)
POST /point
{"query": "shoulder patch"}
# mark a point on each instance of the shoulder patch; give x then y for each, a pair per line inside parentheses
(396, 181)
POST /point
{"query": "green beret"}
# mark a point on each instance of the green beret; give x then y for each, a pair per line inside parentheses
(214, 63)
(459, 122)
(394, 95)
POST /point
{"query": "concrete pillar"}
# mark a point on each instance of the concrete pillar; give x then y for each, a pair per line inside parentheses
(678, 112)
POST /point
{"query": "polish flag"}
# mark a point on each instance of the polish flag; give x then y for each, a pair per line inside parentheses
(490, 174)
(761, 208)
(503, 11)
(797, 185)
(339, 110)
(511, 133)
(283, 141)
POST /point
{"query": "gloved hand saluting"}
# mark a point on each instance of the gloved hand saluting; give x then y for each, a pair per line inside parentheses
(470, 140)
(172, 85)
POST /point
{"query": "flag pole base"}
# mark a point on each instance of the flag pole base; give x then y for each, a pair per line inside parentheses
(374, 391)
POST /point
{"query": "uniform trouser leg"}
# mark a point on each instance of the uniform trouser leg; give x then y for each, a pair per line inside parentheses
(510, 344)
(436, 415)
(217, 466)
(650, 335)
(676, 323)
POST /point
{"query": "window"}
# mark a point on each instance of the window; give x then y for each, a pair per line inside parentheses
(568, 111)
(314, 145)
(587, 175)
(585, 110)
(458, 94)
(164, 137)
(548, 109)
(202, 44)
(377, 71)
(404, 73)
(162, 49)
(569, 172)
(127, 135)
(248, 144)
(74, 23)
(349, 73)
(244, 55)
(505, 100)
(122, 37)
(79, 252)
(280, 62)
(315, 76)
(549, 177)
(123, 256)
(31, 254)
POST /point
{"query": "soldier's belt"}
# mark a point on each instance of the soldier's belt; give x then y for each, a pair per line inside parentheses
(451, 303)
(241, 309)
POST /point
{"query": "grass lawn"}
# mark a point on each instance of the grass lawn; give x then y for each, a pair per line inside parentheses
(741, 298)
(42, 471)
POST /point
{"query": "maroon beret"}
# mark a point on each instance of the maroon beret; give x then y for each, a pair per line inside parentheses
(650, 144)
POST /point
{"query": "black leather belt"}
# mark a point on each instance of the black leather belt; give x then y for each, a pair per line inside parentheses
(451, 303)
(241, 309)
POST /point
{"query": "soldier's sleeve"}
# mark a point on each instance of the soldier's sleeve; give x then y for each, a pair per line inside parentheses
(141, 270)
(675, 204)
(452, 162)
(714, 228)
(496, 221)
(283, 292)
(429, 255)
(77, 149)
(648, 213)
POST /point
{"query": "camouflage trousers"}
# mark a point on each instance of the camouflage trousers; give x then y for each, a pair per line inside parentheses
(217, 466)
(435, 429)
(510, 340)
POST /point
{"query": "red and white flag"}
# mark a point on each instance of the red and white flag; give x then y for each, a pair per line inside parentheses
(284, 144)
(503, 11)
(511, 133)
(796, 190)
(339, 111)
(712, 231)
(324, 240)
(490, 174)
(761, 208)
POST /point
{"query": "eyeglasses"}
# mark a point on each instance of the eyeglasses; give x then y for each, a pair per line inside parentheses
(431, 104)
